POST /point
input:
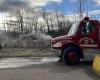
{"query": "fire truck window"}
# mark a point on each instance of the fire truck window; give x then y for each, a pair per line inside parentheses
(87, 28)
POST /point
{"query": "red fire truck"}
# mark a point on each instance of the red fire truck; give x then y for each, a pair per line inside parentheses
(82, 36)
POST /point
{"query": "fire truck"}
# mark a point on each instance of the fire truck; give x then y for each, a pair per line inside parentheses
(83, 38)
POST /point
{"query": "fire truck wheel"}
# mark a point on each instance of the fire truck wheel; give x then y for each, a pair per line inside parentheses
(71, 56)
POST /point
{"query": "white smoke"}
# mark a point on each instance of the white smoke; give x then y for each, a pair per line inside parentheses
(37, 40)
(30, 40)
(35, 36)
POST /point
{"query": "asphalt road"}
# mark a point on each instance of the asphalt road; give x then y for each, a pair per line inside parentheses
(44, 69)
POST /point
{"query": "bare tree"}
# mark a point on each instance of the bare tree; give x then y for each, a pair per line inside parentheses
(20, 20)
(35, 22)
(57, 17)
(60, 20)
(45, 17)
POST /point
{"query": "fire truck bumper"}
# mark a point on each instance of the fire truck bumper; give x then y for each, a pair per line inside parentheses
(56, 52)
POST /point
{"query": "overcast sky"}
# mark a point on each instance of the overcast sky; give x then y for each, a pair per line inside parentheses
(66, 7)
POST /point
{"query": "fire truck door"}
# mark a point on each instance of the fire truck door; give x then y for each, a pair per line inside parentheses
(89, 35)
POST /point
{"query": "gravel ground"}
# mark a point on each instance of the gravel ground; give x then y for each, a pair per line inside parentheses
(50, 70)
(36, 64)
(22, 52)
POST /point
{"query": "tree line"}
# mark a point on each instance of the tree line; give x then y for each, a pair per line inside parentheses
(51, 23)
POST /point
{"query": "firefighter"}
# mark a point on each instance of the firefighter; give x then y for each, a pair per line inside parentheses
(87, 27)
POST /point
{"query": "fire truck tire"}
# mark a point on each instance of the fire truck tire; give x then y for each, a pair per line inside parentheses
(71, 56)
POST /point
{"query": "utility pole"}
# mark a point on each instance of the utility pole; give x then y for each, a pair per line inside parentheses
(81, 8)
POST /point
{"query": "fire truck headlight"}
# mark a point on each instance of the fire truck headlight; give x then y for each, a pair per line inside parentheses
(58, 44)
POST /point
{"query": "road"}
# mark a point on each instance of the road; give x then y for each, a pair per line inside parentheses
(44, 69)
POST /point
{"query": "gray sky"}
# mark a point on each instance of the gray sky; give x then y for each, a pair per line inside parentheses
(12, 5)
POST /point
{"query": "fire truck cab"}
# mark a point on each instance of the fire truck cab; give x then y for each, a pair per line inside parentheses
(83, 35)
